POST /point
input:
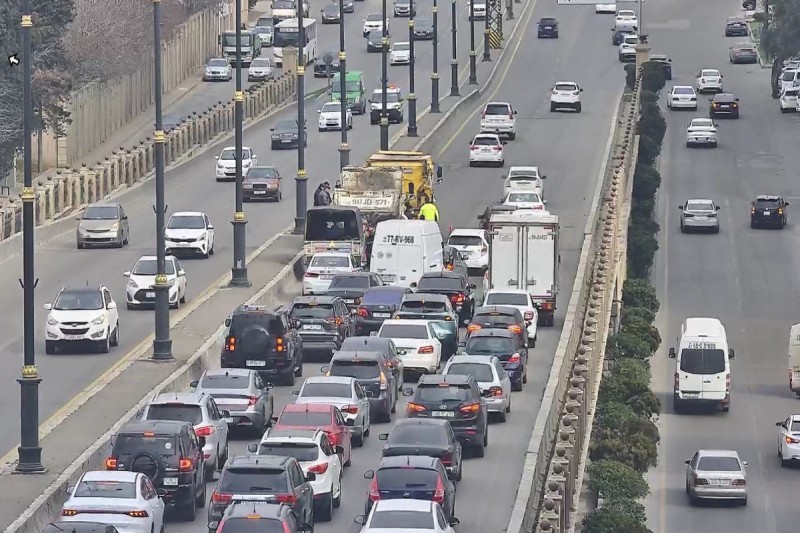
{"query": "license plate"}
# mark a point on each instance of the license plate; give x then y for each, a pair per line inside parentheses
(766, 213)
(256, 363)
(485, 151)
(443, 414)
(351, 301)
(719, 482)
(326, 276)
(312, 326)
(724, 106)
(259, 192)
(691, 394)
(73, 337)
(170, 481)
(149, 295)
(287, 141)
(228, 420)
(382, 315)
(182, 244)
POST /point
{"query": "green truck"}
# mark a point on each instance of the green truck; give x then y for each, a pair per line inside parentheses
(354, 91)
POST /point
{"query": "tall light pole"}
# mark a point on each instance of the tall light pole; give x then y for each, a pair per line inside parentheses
(435, 74)
(454, 60)
(301, 181)
(412, 97)
(510, 11)
(29, 452)
(344, 149)
(473, 67)
(239, 270)
(487, 55)
(384, 81)
(162, 344)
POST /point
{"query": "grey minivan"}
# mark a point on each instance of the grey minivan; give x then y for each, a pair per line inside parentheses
(102, 225)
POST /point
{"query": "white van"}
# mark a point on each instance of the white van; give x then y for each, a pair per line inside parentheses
(703, 370)
(789, 79)
(404, 250)
(794, 359)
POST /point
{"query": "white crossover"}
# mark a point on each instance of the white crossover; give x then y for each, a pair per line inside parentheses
(499, 118)
(627, 16)
(346, 394)
(330, 117)
(417, 343)
(566, 95)
(321, 270)
(140, 291)
(789, 101)
(682, 97)
(527, 200)
(486, 149)
(473, 245)
(405, 514)
(86, 315)
(400, 54)
(524, 179)
(374, 22)
(709, 80)
(189, 232)
(518, 299)
(626, 50)
(701, 132)
(226, 163)
(128, 501)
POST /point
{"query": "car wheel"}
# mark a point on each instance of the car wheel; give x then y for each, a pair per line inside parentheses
(552, 107)
(512, 136)
(480, 449)
(358, 441)
(508, 407)
(578, 108)
(298, 372)
(208, 470)
(752, 224)
(287, 378)
(104, 346)
(49, 347)
(502, 416)
(189, 511)
(221, 460)
(127, 237)
(525, 375)
(516, 386)
(337, 500)
(115, 335)
(324, 509)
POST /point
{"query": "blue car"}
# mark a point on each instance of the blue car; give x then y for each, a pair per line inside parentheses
(507, 346)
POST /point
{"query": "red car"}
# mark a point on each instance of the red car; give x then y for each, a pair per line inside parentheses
(326, 417)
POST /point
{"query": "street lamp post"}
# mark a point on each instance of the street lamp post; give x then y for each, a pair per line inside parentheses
(510, 12)
(384, 81)
(239, 270)
(454, 60)
(412, 97)
(487, 55)
(435, 73)
(162, 344)
(473, 67)
(344, 148)
(301, 181)
(29, 451)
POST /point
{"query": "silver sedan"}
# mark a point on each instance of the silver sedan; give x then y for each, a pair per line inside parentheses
(716, 475)
(699, 214)
(242, 393)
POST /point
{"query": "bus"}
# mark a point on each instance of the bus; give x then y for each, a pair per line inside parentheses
(287, 34)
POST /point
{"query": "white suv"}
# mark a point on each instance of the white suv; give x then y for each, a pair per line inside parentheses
(374, 22)
(473, 245)
(314, 452)
(518, 299)
(499, 118)
(566, 94)
(82, 315)
(400, 54)
(201, 411)
(140, 290)
(189, 231)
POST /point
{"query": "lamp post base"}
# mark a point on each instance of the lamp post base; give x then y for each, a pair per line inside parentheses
(473, 68)
(435, 93)
(299, 226)
(162, 350)
(239, 270)
(344, 155)
(30, 457)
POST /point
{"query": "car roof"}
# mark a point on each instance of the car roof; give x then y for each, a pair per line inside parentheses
(78, 527)
(110, 475)
(658, 57)
(406, 321)
(439, 379)
(565, 83)
(403, 504)
(308, 408)
(424, 296)
(345, 380)
(402, 42)
(187, 214)
(718, 453)
(470, 359)
(315, 299)
(506, 291)
(192, 398)
(267, 461)
(683, 87)
(493, 332)
(497, 103)
(255, 309)
(528, 168)
(249, 509)
(467, 232)
(443, 274)
(400, 422)
(234, 148)
(237, 372)
(355, 355)
(156, 426)
(767, 198)
(487, 135)
(404, 461)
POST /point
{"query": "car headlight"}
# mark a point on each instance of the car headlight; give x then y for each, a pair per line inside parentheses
(132, 284)
(171, 282)
(115, 227)
(99, 320)
(52, 321)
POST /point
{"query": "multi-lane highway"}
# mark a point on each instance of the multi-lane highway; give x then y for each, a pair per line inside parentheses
(745, 277)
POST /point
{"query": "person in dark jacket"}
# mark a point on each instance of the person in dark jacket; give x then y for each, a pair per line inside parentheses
(322, 195)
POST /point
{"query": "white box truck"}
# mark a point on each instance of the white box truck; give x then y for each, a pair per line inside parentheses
(523, 254)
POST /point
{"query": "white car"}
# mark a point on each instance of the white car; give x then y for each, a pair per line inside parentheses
(314, 452)
(321, 270)
(524, 179)
(141, 280)
(527, 200)
(790, 78)
(330, 117)
(401, 515)
(626, 50)
(82, 315)
(627, 16)
(491, 377)
(789, 439)
(701, 131)
(218, 68)
(518, 299)
(417, 343)
(345, 393)
(709, 80)
(682, 97)
(499, 118)
(400, 53)
(226, 162)
(374, 22)
(260, 69)
(566, 94)
(473, 245)
(189, 232)
(486, 149)
(125, 500)
(605, 9)
(200, 410)
(789, 101)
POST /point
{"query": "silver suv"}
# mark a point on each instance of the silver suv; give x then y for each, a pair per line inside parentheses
(242, 393)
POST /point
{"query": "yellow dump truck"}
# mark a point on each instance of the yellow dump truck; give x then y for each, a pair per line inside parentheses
(419, 174)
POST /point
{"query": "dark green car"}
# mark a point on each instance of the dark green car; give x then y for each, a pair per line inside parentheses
(439, 310)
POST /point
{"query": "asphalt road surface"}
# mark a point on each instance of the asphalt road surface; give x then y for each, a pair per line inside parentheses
(745, 277)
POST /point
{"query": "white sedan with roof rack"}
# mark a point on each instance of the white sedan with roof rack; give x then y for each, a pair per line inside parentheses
(322, 268)
(682, 97)
(486, 149)
(524, 179)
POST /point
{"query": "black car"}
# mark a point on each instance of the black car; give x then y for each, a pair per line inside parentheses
(457, 399)
(736, 27)
(374, 41)
(373, 373)
(264, 340)
(453, 261)
(377, 305)
(432, 437)
(548, 27)
(411, 476)
(324, 322)
(665, 62)
(724, 105)
(324, 70)
(268, 478)
(456, 286)
(504, 345)
(501, 317)
(330, 14)
(438, 307)
(78, 527)
(259, 516)
(262, 183)
(768, 210)
(380, 345)
(170, 454)
(352, 286)
(423, 29)
(619, 35)
(286, 134)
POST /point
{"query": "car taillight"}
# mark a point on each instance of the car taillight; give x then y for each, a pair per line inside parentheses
(702, 80)
(221, 497)
(311, 275)
(415, 407)
(727, 382)
(363, 312)
(438, 495)
(457, 298)
(289, 499)
(739, 483)
(752, 210)
(515, 358)
(252, 400)
(576, 93)
(528, 315)
(137, 514)
(374, 493)
(230, 343)
(515, 329)
(780, 211)
(700, 481)
(384, 382)
(483, 115)
(335, 321)
(425, 350)
(472, 328)
(350, 409)
(319, 469)
(446, 459)
(279, 344)
(484, 249)
(734, 105)
(791, 440)
(511, 116)
(470, 408)
(204, 431)
(498, 147)
(474, 147)
(496, 391)
(555, 92)
(185, 464)
(449, 267)
(111, 463)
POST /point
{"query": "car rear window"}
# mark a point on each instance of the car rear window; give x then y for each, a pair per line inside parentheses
(404, 331)
(407, 478)
(464, 240)
(507, 298)
(250, 525)
(526, 197)
(719, 464)
(565, 87)
(349, 282)
(419, 306)
(478, 371)
(312, 310)
(795, 427)
(438, 393)
(401, 520)
(329, 261)
(703, 362)
(105, 489)
(243, 322)
(683, 90)
(178, 412)
(493, 321)
(418, 435)
(497, 109)
(372, 297)
(302, 451)
(246, 480)
(127, 444)
(225, 382)
(305, 419)
(326, 390)
(699, 206)
(788, 76)
(490, 345)
(356, 369)
(547, 21)
(440, 283)
(773, 202)
(484, 141)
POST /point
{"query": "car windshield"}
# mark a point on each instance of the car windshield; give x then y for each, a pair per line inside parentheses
(217, 381)
(302, 451)
(312, 310)
(249, 525)
(130, 444)
(710, 73)
(440, 283)
(767, 203)
(105, 489)
(261, 173)
(228, 154)
(566, 87)
(525, 197)
(398, 520)
(177, 412)
(701, 123)
(243, 480)
(683, 90)
(485, 140)
(260, 63)
(79, 301)
(391, 97)
(305, 419)
(356, 369)
(186, 222)
(286, 126)
(374, 17)
(349, 282)
(401, 47)
(326, 390)
(110, 212)
(507, 298)
(489, 345)
(703, 362)
(497, 109)
(149, 267)
(699, 206)
(407, 477)
(418, 434)
(217, 63)
(478, 371)
(464, 240)
(329, 261)
(381, 297)
(423, 306)
(331, 9)
(332, 107)
(442, 392)
(403, 331)
(719, 464)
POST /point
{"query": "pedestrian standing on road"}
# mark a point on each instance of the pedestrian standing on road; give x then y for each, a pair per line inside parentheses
(321, 195)
(325, 197)
(429, 212)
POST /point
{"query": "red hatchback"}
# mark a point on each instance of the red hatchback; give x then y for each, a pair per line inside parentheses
(326, 417)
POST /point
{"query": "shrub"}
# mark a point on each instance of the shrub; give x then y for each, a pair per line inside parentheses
(651, 122)
(630, 75)
(649, 96)
(629, 384)
(614, 481)
(612, 520)
(630, 508)
(653, 78)
(642, 208)
(624, 345)
(646, 332)
(642, 248)
(636, 313)
(640, 293)
(620, 434)
(760, 17)
(649, 150)
(646, 181)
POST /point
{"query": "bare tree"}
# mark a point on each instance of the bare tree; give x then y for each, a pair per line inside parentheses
(196, 6)
(10, 110)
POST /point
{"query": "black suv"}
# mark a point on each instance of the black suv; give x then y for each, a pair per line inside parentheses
(457, 399)
(378, 304)
(505, 346)
(240, 517)
(501, 317)
(456, 286)
(372, 372)
(665, 62)
(383, 346)
(352, 286)
(270, 478)
(170, 454)
(411, 476)
(264, 340)
(768, 210)
(723, 105)
(431, 437)
(548, 27)
(324, 322)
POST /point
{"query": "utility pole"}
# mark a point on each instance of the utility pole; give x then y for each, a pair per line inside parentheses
(301, 181)
(239, 270)
(344, 148)
(473, 67)
(384, 82)
(454, 60)
(412, 97)
(435, 73)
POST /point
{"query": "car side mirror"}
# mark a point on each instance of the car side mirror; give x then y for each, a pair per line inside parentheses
(716, 208)
(731, 354)
(210, 226)
(325, 369)
(383, 436)
(369, 394)
(581, 90)
(408, 391)
(181, 273)
(785, 204)
(351, 422)
(111, 305)
(745, 463)
(272, 129)
(779, 424)
(688, 461)
(319, 111)
(505, 143)
(162, 492)
(369, 474)
(127, 273)
(224, 413)
(544, 202)
(69, 490)
(680, 207)
(672, 353)
(338, 449)
(201, 441)
(311, 476)
(228, 322)
(252, 447)
(216, 157)
(194, 384)
(710, 99)
(48, 306)
(295, 392)
(274, 418)
(360, 520)
(515, 112)
(453, 521)
(373, 333)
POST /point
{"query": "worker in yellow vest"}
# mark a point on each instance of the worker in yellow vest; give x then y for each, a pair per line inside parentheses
(429, 211)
